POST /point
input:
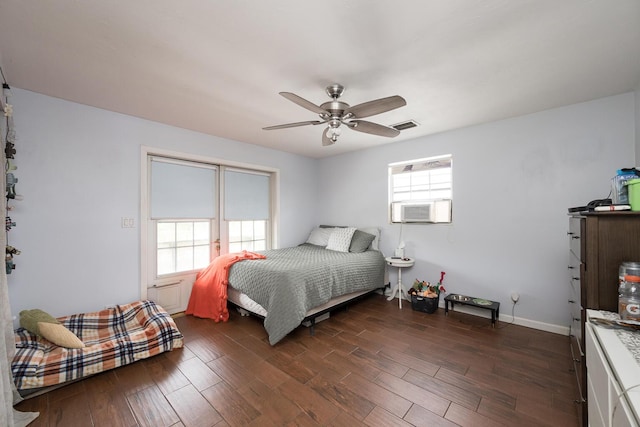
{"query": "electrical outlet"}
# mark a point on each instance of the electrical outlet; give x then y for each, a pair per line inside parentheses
(515, 297)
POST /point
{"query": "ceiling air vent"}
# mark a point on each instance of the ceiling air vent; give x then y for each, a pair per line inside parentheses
(405, 125)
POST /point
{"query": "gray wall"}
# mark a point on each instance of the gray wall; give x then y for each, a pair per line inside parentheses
(513, 181)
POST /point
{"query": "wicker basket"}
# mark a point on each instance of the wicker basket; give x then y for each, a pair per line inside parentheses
(425, 304)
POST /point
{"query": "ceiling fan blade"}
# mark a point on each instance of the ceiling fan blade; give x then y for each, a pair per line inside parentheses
(325, 139)
(373, 128)
(303, 102)
(377, 106)
(293, 125)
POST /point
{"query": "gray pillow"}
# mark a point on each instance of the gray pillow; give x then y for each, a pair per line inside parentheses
(361, 241)
(319, 236)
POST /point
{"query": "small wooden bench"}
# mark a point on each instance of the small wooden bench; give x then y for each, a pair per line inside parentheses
(474, 302)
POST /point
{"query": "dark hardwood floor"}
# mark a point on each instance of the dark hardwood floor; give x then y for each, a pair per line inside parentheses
(371, 365)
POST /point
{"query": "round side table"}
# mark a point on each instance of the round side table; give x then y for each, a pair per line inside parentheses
(399, 263)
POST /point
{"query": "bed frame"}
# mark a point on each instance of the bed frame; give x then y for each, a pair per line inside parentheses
(331, 305)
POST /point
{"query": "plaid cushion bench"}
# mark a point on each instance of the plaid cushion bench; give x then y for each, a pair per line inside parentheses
(113, 337)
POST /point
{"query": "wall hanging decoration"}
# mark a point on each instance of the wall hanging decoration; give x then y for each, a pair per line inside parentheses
(10, 167)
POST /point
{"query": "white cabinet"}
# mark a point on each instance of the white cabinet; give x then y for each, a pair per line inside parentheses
(611, 370)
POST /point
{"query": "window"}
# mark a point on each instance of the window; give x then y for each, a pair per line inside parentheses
(421, 190)
(195, 208)
(247, 235)
(183, 246)
(246, 209)
(183, 208)
(198, 210)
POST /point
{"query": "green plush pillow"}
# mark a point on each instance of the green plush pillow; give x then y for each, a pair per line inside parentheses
(361, 241)
(46, 326)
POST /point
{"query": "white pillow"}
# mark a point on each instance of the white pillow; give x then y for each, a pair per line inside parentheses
(340, 239)
(320, 236)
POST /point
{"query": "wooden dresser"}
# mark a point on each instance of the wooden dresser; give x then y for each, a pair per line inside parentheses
(599, 243)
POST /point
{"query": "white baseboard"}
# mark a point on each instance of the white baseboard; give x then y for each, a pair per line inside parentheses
(507, 318)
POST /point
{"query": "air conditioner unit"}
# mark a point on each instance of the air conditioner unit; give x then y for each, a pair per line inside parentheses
(416, 212)
(431, 211)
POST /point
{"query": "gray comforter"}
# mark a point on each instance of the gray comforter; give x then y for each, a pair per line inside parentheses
(291, 281)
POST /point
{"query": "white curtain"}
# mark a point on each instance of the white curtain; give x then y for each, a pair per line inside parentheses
(8, 416)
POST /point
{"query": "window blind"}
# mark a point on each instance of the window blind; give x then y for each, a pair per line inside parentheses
(182, 189)
(246, 195)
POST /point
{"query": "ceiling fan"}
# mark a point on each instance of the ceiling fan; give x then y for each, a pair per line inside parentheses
(335, 113)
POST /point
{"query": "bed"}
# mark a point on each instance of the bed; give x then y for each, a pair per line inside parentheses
(113, 337)
(298, 284)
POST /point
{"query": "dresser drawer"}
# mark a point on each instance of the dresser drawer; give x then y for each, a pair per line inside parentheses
(573, 270)
(575, 327)
(578, 359)
(575, 237)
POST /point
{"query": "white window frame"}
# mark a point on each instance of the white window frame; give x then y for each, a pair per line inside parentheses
(422, 202)
(147, 226)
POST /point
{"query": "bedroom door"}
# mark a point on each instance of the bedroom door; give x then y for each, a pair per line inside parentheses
(182, 227)
(192, 210)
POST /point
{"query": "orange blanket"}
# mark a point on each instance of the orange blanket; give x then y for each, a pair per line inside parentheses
(209, 293)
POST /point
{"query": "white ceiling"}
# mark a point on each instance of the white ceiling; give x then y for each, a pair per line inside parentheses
(217, 66)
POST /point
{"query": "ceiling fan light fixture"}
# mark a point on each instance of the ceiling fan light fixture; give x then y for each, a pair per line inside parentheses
(334, 132)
